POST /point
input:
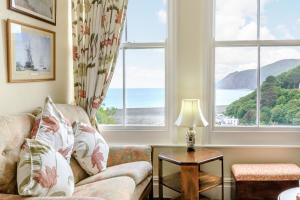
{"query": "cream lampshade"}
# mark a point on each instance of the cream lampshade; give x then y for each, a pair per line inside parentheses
(191, 116)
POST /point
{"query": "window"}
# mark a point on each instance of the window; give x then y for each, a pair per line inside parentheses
(256, 63)
(136, 96)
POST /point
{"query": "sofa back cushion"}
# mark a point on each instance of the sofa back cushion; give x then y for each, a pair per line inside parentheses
(13, 131)
(73, 113)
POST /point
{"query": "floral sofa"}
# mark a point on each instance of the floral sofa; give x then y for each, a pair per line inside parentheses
(128, 176)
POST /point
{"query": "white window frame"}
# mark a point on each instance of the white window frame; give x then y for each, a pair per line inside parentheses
(210, 42)
(170, 49)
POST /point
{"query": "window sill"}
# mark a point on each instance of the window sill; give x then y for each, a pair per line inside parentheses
(120, 129)
(245, 130)
(225, 146)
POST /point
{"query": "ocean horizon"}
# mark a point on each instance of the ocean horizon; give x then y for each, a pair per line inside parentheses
(155, 97)
(136, 98)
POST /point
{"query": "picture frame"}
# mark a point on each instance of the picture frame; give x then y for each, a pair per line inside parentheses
(44, 10)
(30, 53)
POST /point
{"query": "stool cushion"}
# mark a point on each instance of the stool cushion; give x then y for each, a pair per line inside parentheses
(265, 172)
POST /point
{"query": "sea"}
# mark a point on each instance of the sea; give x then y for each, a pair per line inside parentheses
(225, 97)
(136, 98)
(155, 97)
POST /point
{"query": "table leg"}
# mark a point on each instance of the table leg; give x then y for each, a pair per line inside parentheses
(160, 175)
(222, 171)
(190, 182)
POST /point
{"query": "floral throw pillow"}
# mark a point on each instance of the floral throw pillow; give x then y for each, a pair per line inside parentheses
(53, 128)
(90, 148)
(43, 172)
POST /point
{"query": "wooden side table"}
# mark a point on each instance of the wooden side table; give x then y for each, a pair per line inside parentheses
(190, 181)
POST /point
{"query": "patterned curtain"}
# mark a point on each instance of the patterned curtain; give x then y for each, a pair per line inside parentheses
(96, 31)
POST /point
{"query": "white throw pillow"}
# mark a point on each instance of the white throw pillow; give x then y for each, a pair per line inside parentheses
(53, 128)
(90, 149)
(43, 172)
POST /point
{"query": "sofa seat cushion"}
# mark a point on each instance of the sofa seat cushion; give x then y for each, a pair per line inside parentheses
(140, 189)
(265, 172)
(138, 171)
(110, 189)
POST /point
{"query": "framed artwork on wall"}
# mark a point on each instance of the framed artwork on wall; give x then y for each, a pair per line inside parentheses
(44, 10)
(30, 53)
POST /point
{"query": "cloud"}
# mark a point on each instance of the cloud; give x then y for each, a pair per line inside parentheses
(236, 20)
(298, 21)
(162, 16)
(140, 77)
(272, 54)
(164, 2)
(231, 59)
(140, 72)
(145, 77)
(233, 17)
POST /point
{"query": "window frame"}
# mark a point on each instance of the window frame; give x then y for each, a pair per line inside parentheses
(258, 43)
(129, 45)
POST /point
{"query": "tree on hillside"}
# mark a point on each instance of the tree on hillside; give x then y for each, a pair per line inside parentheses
(280, 101)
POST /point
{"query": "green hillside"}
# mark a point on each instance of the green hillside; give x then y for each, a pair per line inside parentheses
(280, 101)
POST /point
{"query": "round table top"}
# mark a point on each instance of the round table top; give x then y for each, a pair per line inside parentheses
(289, 194)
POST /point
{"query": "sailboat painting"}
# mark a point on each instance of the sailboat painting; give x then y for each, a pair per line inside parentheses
(31, 53)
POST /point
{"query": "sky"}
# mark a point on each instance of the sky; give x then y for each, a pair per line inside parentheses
(236, 20)
(144, 68)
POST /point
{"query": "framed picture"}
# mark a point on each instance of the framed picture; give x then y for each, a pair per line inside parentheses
(30, 53)
(44, 10)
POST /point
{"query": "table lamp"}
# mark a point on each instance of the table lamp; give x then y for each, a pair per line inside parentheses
(191, 116)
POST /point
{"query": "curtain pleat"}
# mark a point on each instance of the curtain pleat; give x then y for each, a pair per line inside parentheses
(96, 30)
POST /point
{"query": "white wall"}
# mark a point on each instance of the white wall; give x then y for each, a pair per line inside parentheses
(23, 97)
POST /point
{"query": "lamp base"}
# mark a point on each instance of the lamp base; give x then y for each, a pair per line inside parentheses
(190, 139)
(190, 149)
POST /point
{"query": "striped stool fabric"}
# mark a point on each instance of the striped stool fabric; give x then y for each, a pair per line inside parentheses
(263, 181)
(266, 172)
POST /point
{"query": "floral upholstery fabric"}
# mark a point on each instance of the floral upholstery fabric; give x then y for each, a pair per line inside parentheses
(42, 171)
(18, 197)
(138, 171)
(125, 154)
(73, 114)
(90, 148)
(96, 30)
(140, 188)
(110, 189)
(53, 128)
(13, 130)
(266, 172)
(78, 172)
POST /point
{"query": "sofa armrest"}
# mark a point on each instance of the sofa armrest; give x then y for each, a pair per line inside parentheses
(129, 153)
(18, 197)
(64, 198)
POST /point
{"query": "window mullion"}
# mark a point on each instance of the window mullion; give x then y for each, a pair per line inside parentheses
(258, 88)
(258, 20)
(124, 88)
(258, 94)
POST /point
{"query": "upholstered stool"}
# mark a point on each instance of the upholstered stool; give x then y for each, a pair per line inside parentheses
(263, 181)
